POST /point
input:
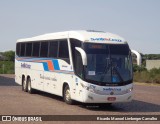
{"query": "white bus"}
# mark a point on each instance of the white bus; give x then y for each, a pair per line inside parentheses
(85, 66)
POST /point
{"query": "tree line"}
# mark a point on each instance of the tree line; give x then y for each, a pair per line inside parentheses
(7, 62)
(141, 74)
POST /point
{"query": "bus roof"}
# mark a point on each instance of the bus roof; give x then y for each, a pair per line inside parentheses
(82, 35)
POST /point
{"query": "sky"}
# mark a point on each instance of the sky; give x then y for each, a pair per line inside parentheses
(138, 21)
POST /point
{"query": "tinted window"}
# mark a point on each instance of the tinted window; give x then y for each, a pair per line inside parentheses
(63, 49)
(53, 49)
(18, 49)
(44, 49)
(92, 48)
(36, 47)
(28, 49)
(122, 49)
(75, 43)
(22, 53)
(78, 66)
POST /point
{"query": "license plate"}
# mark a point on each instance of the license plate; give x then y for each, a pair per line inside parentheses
(111, 98)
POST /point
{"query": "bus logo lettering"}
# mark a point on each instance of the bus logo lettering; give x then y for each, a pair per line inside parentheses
(24, 65)
(111, 89)
(105, 39)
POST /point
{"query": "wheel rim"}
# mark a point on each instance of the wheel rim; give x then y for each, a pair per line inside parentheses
(67, 95)
(29, 85)
(24, 84)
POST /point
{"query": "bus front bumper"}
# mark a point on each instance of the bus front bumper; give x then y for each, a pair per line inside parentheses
(96, 98)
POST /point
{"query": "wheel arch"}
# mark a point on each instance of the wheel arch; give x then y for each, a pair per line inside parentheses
(23, 78)
(28, 76)
(64, 85)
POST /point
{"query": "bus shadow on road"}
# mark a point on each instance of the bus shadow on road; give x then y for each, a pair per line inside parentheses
(134, 106)
(7, 81)
(49, 95)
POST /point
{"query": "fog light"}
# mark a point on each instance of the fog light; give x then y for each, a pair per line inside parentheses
(90, 97)
(129, 98)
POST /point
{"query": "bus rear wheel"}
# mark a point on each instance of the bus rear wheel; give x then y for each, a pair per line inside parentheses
(67, 95)
(29, 86)
(24, 85)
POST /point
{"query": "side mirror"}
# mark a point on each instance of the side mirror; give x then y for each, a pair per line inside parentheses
(83, 55)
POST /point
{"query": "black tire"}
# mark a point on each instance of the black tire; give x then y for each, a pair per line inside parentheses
(67, 95)
(24, 85)
(29, 86)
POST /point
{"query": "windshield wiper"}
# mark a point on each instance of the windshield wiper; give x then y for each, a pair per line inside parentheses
(107, 67)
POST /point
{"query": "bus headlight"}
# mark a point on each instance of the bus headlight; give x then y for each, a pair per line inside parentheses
(90, 88)
(129, 90)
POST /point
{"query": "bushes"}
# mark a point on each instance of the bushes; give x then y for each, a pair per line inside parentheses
(137, 68)
(141, 74)
(151, 76)
(6, 67)
(7, 62)
(8, 55)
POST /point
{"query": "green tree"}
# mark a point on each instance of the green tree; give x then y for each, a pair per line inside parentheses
(9, 55)
(137, 68)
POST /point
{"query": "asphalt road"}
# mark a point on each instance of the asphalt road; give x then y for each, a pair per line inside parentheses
(15, 102)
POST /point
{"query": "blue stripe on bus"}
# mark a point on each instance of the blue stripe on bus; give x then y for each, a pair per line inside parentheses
(45, 66)
(56, 64)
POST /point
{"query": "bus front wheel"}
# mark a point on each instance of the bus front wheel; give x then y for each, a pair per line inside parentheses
(67, 95)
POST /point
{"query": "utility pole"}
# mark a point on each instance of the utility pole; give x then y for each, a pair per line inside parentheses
(3, 67)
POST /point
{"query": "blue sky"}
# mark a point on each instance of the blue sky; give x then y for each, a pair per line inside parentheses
(138, 21)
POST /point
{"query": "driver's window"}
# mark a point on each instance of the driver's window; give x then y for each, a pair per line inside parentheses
(78, 64)
(76, 57)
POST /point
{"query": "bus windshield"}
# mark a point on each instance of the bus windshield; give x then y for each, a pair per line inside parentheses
(108, 64)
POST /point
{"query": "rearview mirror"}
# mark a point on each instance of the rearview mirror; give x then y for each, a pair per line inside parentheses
(83, 55)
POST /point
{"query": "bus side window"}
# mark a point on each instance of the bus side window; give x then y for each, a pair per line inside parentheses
(63, 50)
(53, 49)
(36, 46)
(78, 64)
(18, 48)
(23, 47)
(44, 49)
(28, 49)
(75, 55)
